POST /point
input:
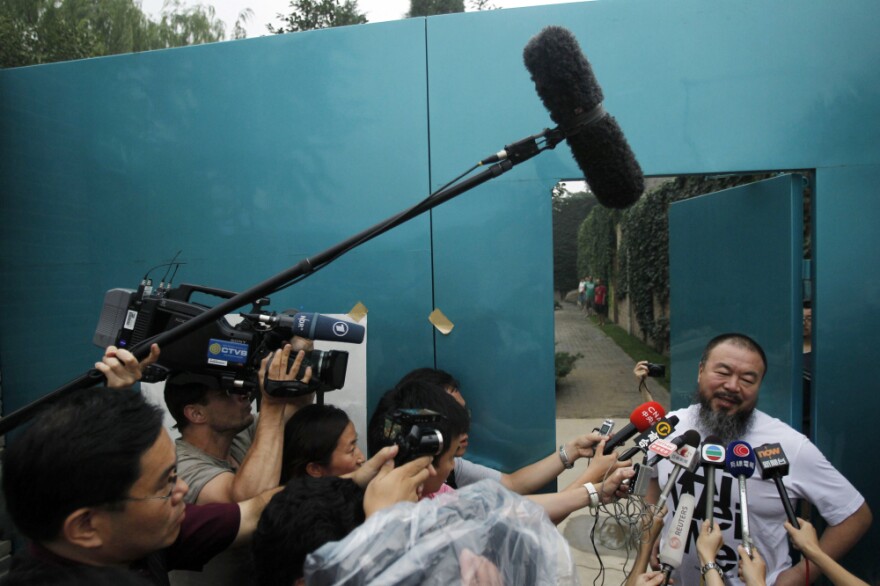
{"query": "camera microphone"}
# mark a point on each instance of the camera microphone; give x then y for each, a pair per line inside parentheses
(565, 83)
(314, 326)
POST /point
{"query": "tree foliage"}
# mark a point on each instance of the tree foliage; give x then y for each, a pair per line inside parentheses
(569, 210)
(314, 14)
(643, 272)
(45, 31)
(597, 238)
(433, 7)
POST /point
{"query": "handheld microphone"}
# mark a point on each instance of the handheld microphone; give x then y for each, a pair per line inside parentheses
(640, 419)
(565, 83)
(774, 464)
(656, 432)
(314, 326)
(662, 451)
(740, 463)
(672, 551)
(686, 458)
(712, 457)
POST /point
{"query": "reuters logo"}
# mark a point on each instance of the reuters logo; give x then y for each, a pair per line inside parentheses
(663, 429)
(214, 348)
(674, 542)
(741, 450)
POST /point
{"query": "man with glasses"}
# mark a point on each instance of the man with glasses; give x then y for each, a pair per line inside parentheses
(93, 482)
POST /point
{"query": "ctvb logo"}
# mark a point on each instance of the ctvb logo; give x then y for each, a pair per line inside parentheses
(214, 348)
(713, 453)
(340, 328)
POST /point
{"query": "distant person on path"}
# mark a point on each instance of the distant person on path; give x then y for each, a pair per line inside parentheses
(590, 288)
(600, 301)
(582, 294)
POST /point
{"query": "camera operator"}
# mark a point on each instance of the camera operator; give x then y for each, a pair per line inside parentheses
(223, 454)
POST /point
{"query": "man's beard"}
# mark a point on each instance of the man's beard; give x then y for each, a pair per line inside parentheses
(727, 427)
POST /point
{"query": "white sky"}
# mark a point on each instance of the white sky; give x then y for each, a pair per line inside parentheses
(265, 11)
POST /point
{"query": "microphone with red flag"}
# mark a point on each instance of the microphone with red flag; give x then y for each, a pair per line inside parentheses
(642, 417)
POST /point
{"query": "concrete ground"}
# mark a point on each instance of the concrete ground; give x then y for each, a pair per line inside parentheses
(600, 386)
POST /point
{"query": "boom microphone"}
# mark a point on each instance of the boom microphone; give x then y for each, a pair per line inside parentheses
(774, 464)
(672, 551)
(740, 463)
(565, 83)
(315, 326)
(640, 419)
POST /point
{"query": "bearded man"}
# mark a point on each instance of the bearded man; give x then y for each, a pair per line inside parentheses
(728, 383)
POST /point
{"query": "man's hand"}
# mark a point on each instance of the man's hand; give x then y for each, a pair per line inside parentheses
(753, 570)
(650, 579)
(583, 446)
(395, 485)
(601, 464)
(368, 471)
(804, 538)
(121, 368)
(611, 489)
(641, 370)
(709, 542)
(274, 367)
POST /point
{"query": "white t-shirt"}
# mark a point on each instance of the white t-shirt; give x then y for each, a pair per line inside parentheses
(810, 477)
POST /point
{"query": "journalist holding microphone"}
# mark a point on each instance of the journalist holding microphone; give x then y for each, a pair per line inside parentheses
(729, 378)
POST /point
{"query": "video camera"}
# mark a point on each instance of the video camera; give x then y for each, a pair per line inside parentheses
(413, 430)
(230, 352)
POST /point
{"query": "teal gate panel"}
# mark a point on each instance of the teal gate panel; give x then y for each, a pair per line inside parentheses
(246, 156)
(846, 322)
(735, 261)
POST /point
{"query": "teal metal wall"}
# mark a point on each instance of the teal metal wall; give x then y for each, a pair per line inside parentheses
(250, 155)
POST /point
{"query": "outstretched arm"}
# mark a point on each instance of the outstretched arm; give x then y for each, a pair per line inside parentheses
(600, 467)
(805, 539)
(530, 478)
(561, 504)
(836, 541)
(650, 533)
(251, 510)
